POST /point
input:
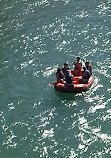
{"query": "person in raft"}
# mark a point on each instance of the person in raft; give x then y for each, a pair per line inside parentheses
(59, 75)
(88, 66)
(86, 75)
(69, 79)
(65, 68)
(77, 67)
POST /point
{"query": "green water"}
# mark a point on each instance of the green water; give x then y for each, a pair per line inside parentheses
(35, 38)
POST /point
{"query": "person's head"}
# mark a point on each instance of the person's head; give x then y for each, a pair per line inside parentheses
(65, 65)
(59, 70)
(87, 63)
(84, 68)
(78, 59)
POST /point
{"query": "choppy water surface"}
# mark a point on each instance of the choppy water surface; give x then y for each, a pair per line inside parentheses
(35, 38)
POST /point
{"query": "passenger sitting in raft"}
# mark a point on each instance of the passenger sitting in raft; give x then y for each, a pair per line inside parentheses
(69, 79)
(64, 69)
(85, 76)
(88, 66)
(59, 75)
(77, 67)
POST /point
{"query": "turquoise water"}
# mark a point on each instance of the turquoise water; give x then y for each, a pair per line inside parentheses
(35, 38)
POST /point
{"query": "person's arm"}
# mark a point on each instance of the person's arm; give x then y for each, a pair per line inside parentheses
(90, 69)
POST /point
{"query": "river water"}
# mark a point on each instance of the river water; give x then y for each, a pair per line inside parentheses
(35, 38)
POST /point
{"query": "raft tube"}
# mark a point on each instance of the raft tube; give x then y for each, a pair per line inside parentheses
(75, 88)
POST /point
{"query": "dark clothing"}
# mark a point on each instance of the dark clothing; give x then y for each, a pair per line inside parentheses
(59, 76)
(69, 80)
(86, 76)
(90, 69)
(64, 70)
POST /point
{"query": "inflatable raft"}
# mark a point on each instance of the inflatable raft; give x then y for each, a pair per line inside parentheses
(77, 87)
